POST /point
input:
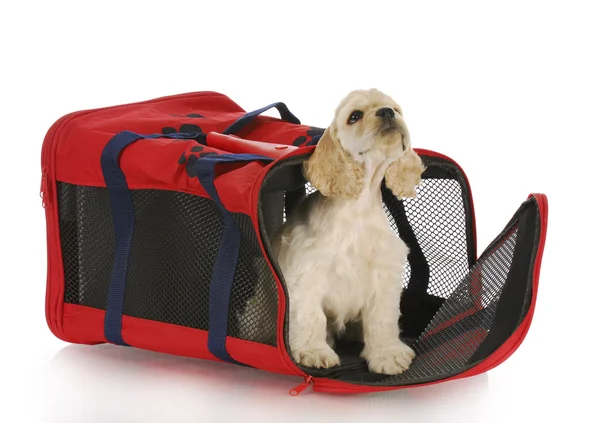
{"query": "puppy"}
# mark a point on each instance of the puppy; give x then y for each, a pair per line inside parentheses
(342, 264)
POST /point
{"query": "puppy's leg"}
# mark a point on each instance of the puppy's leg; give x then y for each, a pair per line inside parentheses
(309, 340)
(384, 351)
(308, 332)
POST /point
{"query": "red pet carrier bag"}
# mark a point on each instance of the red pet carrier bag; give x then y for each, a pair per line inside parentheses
(158, 217)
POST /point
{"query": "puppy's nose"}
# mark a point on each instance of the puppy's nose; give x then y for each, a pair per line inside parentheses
(385, 112)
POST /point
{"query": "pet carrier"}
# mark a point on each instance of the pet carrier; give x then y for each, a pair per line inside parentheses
(158, 215)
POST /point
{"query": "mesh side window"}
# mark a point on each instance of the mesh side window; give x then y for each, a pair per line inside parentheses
(175, 242)
(437, 218)
(87, 241)
(253, 306)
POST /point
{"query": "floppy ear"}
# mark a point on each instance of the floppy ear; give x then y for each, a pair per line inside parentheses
(404, 175)
(332, 170)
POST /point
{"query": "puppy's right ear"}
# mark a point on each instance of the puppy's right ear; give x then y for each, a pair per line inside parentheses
(404, 175)
(332, 171)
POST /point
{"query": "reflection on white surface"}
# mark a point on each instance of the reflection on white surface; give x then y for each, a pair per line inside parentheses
(106, 383)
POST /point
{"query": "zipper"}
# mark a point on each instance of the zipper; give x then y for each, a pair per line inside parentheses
(294, 392)
(308, 380)
(53, 300)
(44, 187)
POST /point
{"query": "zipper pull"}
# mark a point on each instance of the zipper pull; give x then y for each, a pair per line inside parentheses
(44, 188)
(300, 388)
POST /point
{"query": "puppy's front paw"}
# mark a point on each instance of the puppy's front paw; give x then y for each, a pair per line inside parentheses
(323, 357)
(390, 361)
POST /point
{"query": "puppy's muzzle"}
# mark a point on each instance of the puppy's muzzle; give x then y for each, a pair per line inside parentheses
(388, 124)
(386, 113)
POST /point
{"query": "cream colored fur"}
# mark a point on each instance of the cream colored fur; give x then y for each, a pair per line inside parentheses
(342, 263)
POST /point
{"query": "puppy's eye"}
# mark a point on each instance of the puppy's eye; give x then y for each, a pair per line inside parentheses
(355, 116)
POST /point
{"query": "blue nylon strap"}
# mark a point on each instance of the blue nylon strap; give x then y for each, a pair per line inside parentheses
(123, 215)
(227, 256)
(239, 124)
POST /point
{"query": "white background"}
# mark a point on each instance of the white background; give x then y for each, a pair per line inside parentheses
(510, 90)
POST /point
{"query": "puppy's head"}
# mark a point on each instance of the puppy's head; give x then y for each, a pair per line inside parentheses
(368, 131)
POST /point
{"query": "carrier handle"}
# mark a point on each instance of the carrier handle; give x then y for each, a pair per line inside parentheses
(226, 261)
(239, 124)
(123, 216)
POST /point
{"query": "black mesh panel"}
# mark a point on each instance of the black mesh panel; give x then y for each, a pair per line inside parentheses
(437, 218)
(175, 242)
(253, 303)
(87, 243)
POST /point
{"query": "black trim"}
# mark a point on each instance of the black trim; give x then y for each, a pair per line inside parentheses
(270, 184)
(513, 300)
(417, 309)
(419, 268)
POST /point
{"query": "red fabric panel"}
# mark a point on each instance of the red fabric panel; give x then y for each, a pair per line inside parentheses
(85, 325)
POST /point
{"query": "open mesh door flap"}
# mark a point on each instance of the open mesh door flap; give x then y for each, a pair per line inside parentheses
(486, 307)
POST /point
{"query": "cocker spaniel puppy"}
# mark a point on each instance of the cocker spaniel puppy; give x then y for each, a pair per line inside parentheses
(342, 263)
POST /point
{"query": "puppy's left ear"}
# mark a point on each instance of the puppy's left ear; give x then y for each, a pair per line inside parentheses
(332, 170)
(404, 175)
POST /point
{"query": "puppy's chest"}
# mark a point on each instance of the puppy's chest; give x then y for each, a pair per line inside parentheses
(358, 253)
(359, 243)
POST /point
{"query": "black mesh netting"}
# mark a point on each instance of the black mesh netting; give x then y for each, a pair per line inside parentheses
(87, 241)
(437, 219)
(174, 245)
